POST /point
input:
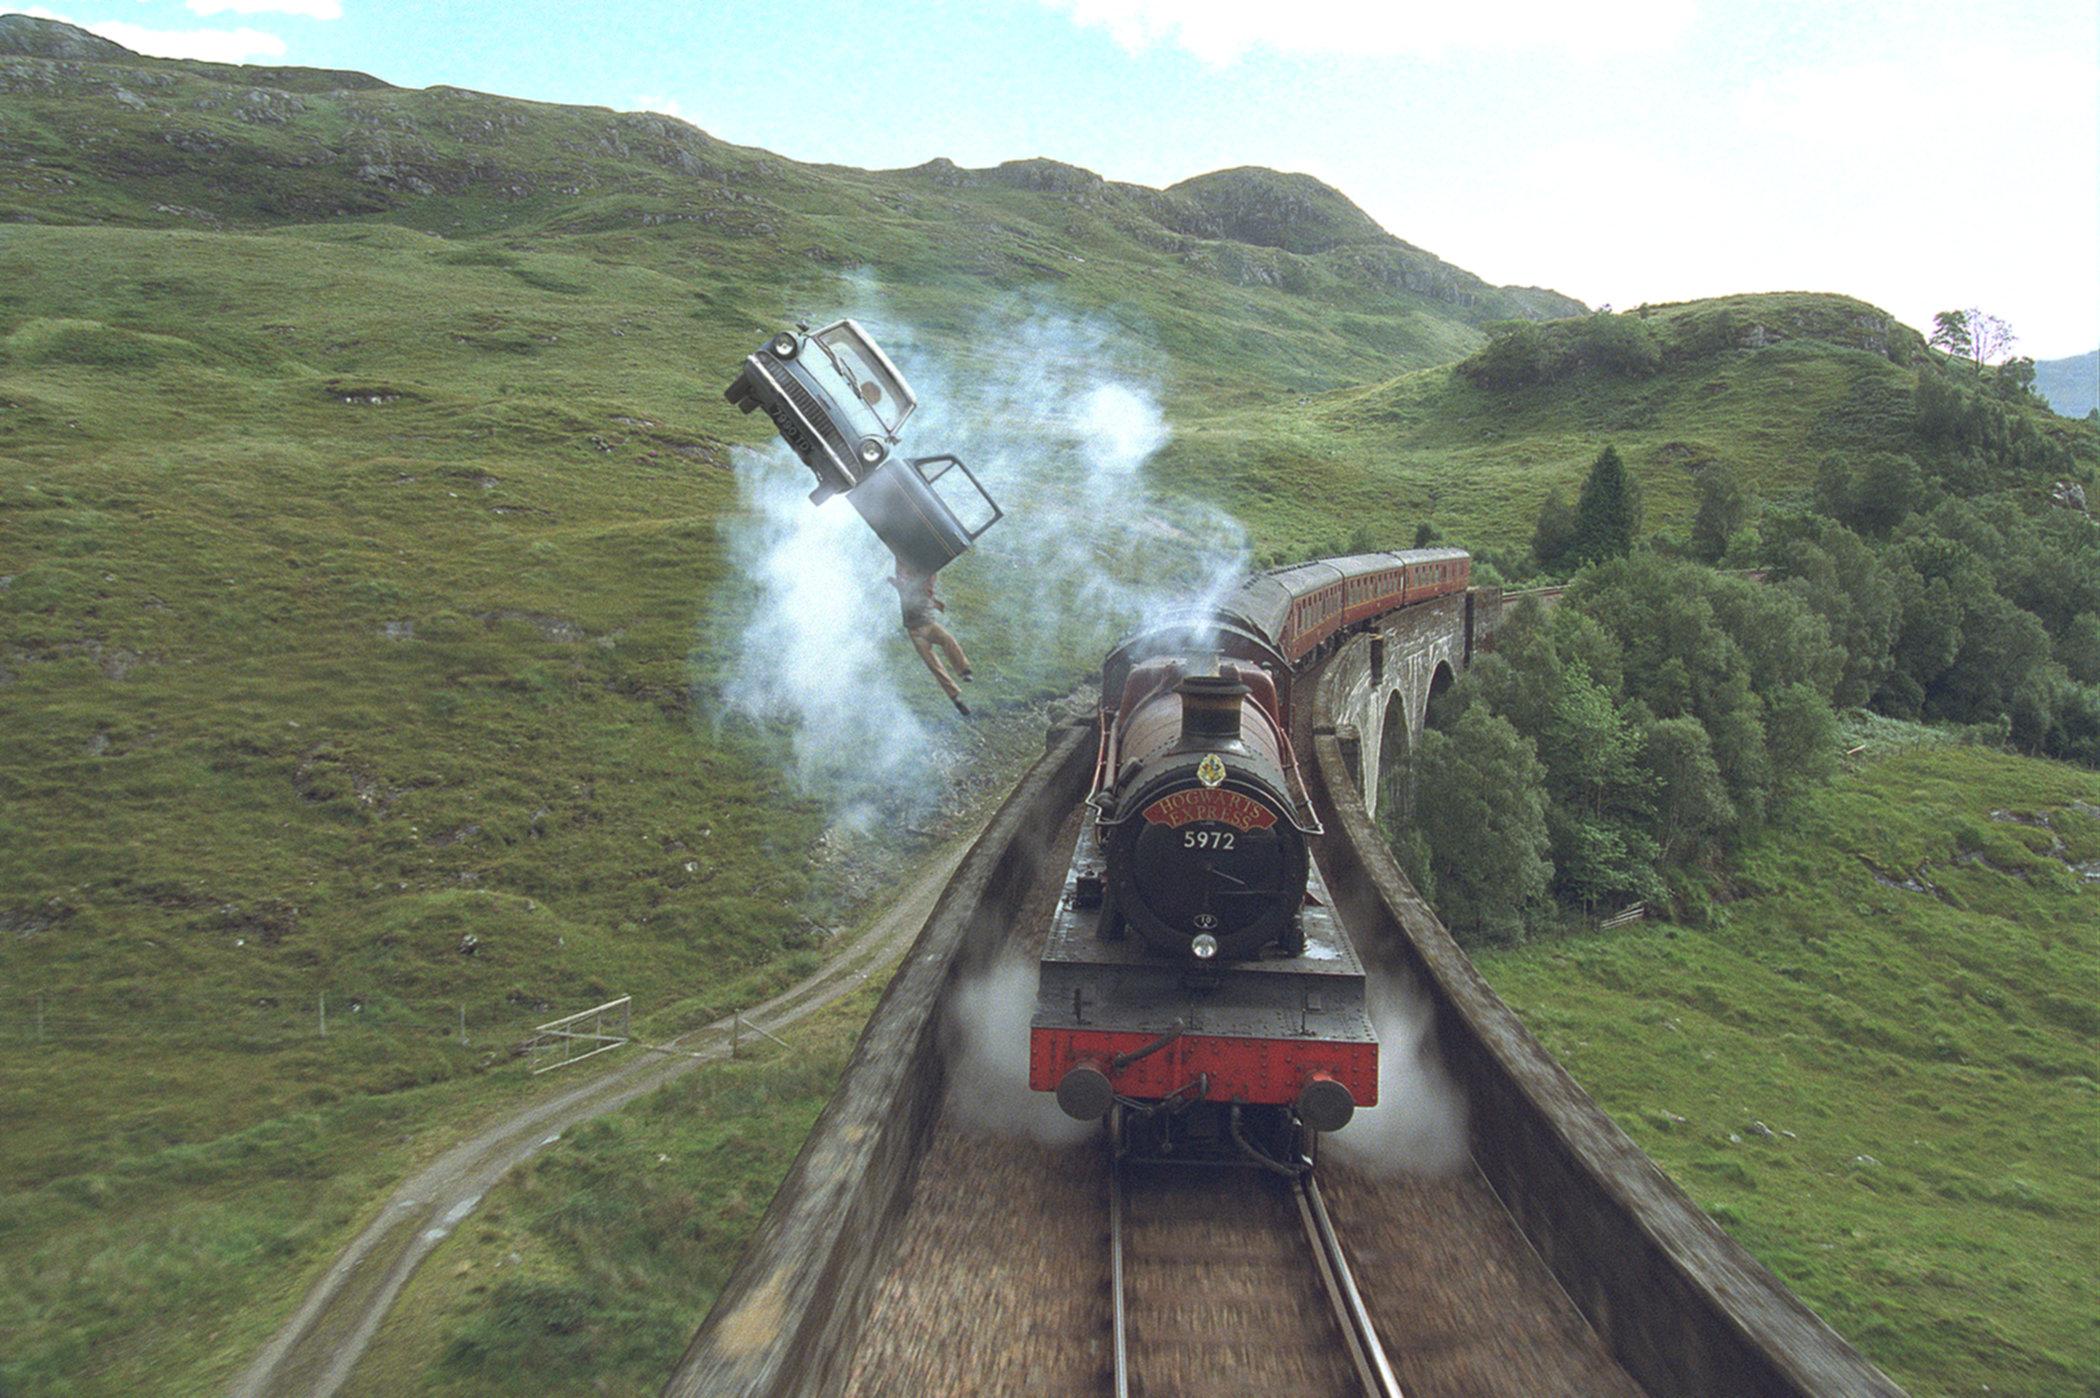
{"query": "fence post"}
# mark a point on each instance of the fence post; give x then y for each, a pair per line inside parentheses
(736, 1031)
(462, 1026)
(324, 1014)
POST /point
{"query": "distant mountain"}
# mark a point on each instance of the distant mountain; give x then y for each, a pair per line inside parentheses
(1243, 272)
(2072, 385)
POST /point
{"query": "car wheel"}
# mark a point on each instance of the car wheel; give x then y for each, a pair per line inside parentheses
(740, 395)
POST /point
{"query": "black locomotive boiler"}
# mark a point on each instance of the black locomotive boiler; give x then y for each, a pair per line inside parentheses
(1196, 987)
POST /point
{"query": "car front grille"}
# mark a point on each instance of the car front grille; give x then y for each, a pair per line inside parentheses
(806, 403)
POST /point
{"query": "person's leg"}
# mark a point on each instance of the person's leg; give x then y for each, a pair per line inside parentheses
(923, 643)
(951, 647)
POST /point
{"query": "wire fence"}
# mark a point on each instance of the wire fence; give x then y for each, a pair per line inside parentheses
(61, 1020)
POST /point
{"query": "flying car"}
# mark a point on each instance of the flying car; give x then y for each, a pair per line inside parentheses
(839, 402)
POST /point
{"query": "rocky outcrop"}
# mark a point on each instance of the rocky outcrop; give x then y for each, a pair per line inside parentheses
(48, 38)
(1271, 209)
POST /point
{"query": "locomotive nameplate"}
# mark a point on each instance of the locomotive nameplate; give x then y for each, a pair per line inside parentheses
(1212, 804)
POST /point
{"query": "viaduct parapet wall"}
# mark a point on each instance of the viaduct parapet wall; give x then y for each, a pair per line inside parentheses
(1681, 1304)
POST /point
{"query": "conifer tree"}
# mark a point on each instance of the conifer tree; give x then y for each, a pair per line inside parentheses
(1555, 534)
(1608, 512)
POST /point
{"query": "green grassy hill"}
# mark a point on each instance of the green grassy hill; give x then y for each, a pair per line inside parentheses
(370, 585)
(1306, 285)
(1771, 383)
(1876, 1068)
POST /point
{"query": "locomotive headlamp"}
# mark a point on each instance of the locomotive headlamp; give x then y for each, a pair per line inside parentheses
(784, 346)
(870, 450)
(1203, 946)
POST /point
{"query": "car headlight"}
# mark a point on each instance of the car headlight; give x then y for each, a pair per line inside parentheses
(1203, 946)
(871, 451)
(784, 346)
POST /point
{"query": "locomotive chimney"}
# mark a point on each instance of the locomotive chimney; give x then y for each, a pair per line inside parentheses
(1210, 709)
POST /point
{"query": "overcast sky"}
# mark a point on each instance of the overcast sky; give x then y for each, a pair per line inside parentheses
(1919, 156)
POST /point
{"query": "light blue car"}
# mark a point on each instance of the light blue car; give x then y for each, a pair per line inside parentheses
(840, 403)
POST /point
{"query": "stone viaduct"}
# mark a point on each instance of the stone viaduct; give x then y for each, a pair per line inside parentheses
(1383, 689)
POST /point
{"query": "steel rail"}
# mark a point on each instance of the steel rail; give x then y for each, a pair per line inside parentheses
(1365, 1350)
(1118, 1317)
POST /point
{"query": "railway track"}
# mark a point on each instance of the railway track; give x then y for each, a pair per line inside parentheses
(1200, 1254)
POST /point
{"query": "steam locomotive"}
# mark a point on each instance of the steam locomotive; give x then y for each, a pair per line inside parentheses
(1196, 988)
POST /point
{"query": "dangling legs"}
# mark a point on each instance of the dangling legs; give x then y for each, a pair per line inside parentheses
(922, 641)
(951, 647)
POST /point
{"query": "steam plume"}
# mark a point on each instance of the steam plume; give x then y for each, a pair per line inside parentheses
(988, 1019)
(1060, 418)
(1419, 1126)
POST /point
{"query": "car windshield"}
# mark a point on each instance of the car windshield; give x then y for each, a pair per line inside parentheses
(870, 373)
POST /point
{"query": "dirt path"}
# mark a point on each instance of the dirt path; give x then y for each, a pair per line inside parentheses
(318, 1347)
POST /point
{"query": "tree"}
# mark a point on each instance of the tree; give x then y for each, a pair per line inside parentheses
(1482, 815)
(1592, 756)
(1725, 506)
(1515, 356)
(1873, 497)
(2015, 379)
(1426, 534)
(1622, 345)
(1689, 799)
(1555, 533)
(1950, 334)
(1990, 339)
(1973, 335)
(1801, 733)
(1607, 513)
(1841, 579)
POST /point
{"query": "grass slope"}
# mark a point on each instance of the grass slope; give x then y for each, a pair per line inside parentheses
(1238, 274)
(1902, 997)
(587, 1270)
(1808, 375)
(351, 606)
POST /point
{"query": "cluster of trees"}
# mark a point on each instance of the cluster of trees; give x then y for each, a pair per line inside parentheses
(1609, 749)
(1520, 353)
(1984, 342)
(1969, 611)
(1956, 597)
(1954, 593)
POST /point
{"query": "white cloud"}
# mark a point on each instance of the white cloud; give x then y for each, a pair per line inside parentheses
(209, 45)
(1221, 32)
(305, 9)
(665, 106)
(1865, 178)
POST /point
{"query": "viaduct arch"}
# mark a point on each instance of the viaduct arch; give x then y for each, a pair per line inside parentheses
(1383, 689)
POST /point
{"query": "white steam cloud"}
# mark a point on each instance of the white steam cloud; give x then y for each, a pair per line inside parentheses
(988, 1021)
(1419, 1124)
(1059, 418)
(813, 650)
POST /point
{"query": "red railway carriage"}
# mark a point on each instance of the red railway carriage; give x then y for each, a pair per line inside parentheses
(1302, 608)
